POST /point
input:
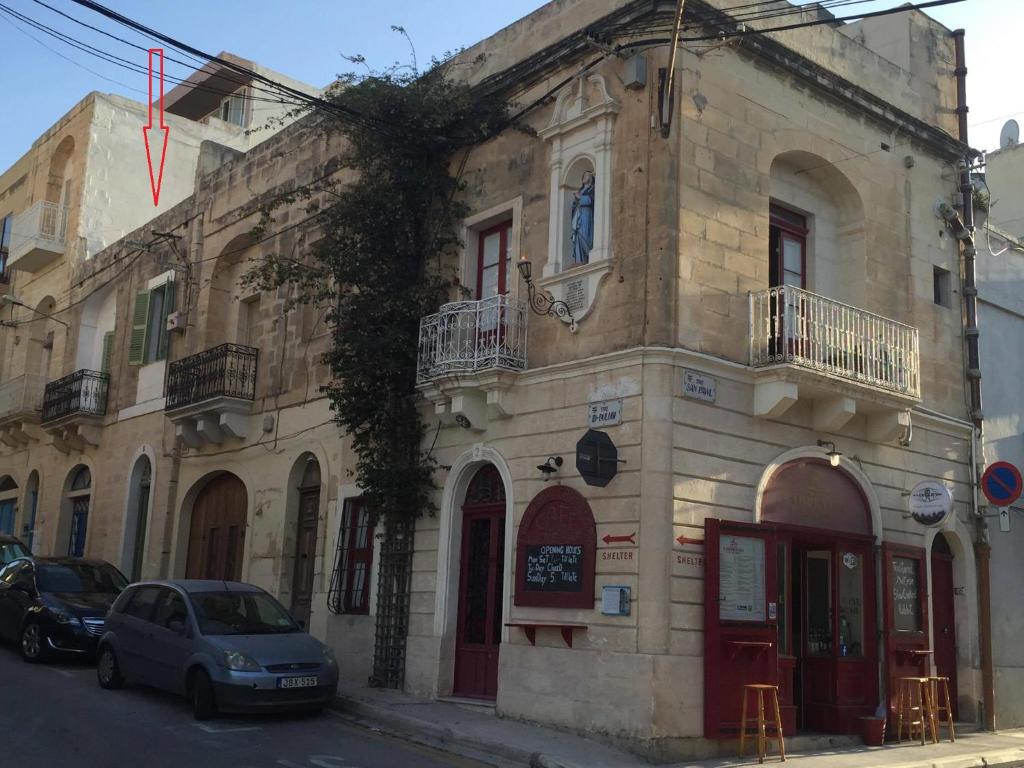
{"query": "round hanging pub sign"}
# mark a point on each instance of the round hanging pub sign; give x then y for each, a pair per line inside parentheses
(930, 502)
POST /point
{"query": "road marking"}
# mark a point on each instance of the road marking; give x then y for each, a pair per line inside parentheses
(212, 729)
(61, 672)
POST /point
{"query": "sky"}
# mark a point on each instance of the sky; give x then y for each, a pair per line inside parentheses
(305, 39)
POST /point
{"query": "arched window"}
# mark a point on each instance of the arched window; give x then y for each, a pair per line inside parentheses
(78, 495)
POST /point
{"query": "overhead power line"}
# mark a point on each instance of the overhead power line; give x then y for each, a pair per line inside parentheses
(126, 64)
(337, 110)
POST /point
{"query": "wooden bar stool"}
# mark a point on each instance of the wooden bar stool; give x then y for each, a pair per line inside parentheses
(914, 701)
(762, 737)
(941, 704)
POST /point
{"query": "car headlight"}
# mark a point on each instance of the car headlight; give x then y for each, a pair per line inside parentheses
(329, 655)
(239, 662)
(63, 617)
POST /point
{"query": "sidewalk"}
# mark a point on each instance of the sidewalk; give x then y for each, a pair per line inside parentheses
(473, 732)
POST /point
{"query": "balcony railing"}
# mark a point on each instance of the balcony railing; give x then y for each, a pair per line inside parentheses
(22, 397)
(467, 336)
(791, 325)
(44, 222)
(225, 371)
(82, 393)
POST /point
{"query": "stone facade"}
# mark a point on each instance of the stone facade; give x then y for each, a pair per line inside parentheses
(852, 140)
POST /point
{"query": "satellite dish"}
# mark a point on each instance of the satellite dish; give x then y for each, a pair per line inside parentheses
(1010, 135)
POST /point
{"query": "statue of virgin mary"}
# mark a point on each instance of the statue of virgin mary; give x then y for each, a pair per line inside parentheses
(581, 235)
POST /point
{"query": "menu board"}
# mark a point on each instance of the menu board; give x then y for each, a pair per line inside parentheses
(554, 568)
(906, 603)
(741, 583)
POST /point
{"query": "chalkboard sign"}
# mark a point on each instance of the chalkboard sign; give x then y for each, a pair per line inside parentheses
(554, 568)
(556, 551)
(906, 602)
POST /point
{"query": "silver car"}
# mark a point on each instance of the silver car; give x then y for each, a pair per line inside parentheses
(226, 646)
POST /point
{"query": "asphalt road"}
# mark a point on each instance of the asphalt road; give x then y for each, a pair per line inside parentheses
(56, 715)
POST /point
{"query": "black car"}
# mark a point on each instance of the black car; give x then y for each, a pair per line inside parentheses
(56, 604)
(11, 549)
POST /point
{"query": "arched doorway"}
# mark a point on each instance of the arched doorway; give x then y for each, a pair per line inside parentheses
(481, 582)
(137, 519)
(78, 495)
(217, 532)
(8, 504)
(305, 539)
(791, 601)
(28, 527)
(943, 614)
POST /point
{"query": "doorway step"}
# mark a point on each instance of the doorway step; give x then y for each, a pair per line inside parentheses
(816, 742)
(473, 705)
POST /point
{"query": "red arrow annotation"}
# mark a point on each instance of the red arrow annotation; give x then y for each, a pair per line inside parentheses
(683, 541)
(609, 539)
(156, 180)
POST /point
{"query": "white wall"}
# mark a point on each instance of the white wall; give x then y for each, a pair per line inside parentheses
(116, 198)
(1001, 313)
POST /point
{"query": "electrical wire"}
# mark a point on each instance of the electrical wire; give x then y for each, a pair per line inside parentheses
(146, 49)
(338, 110)
(126, 63)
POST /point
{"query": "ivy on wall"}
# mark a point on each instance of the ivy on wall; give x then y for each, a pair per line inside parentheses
(387, 231)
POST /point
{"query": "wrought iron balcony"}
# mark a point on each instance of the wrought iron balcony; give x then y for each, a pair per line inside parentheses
(471, 336)
(83, 393)
(38, 236)
(791, 325)
(225, 371)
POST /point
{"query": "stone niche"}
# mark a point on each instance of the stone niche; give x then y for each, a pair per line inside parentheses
(581, 134)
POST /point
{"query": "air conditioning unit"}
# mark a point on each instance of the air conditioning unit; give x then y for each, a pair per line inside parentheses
(176, 321)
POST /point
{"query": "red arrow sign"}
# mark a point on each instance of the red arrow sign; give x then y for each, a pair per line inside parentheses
(609, 539)
(683, 541)
(155, 180)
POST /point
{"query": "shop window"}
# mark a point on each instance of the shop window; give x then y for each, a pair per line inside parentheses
(350, 582)
(851, 604)
(149, 336)
(906, 583)
(819, 603)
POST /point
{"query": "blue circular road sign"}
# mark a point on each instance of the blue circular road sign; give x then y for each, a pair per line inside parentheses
(1001, 483)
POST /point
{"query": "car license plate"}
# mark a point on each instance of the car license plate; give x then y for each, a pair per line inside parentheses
(298, 682)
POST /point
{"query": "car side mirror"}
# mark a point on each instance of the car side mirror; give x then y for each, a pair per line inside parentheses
(23, 586)
(177, 627)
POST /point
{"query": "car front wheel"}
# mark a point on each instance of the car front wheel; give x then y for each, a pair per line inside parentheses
(33, 643)
(108, 673)
(204, 705)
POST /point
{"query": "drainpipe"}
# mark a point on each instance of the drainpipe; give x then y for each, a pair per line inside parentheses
(964, 231)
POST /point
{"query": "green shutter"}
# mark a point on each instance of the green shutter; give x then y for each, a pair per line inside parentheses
(108, 350)
(140, 323)
(168, 308)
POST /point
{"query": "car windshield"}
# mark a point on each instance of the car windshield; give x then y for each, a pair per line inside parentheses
(12, 550)
(79, 577)
(241, 613)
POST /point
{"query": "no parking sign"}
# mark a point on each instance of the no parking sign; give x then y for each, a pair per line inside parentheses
(1001, 483)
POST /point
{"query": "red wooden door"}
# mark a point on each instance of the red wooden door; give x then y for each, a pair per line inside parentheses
(481, 581)
(217, 535)
(907, 647)
(944, 619)
(740, 618)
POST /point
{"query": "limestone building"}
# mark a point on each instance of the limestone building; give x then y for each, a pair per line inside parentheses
(760, 362)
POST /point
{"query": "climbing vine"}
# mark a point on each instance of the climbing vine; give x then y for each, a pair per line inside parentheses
(386, 227)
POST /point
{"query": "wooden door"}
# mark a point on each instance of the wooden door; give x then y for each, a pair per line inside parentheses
(740, 618)
(943, 616)
(493, 269)
(217, 536)
(907, 648)
(481, 587)
(305, 555)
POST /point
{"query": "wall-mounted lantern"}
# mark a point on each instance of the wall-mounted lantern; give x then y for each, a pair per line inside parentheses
(541, 302)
